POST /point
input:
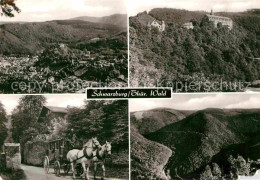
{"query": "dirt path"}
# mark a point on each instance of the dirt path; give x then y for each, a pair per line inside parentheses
(37, 173)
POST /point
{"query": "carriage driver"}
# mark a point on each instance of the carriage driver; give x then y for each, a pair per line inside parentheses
(95, 152)
(74, 141)
(72, 138)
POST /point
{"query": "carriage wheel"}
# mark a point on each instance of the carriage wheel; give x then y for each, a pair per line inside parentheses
(79, 169)
(46, 164)
(66, 168)
(57, 168)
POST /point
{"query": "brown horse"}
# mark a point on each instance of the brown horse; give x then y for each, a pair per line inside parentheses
(83, 156)
(101, 154)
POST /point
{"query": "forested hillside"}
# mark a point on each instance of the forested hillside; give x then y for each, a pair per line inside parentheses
(115, 19)
(206, 137)
(149, 157)
(203, 54)
(32, 38)
(207, 144)
(153, 120)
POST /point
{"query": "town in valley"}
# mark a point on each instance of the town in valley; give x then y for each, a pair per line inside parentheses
(22, 75)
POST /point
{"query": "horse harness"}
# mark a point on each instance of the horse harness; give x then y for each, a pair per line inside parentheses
(85, 154)
(99, 157)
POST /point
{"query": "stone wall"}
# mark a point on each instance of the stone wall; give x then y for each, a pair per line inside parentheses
(34, 153)
(2, 162)
(13, 155)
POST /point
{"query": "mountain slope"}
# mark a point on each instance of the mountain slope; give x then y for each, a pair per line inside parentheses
(202, 135)
(204, 54)
(248, 150)
(31, 38)
(180, 16)
(148, 157)
(115, 19)
(152, 120)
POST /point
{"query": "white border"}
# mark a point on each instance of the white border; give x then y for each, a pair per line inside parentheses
(128, 45)
(129, 139)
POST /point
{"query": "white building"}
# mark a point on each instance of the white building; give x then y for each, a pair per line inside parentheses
(188, 25)
(225, 21)
(157, 24)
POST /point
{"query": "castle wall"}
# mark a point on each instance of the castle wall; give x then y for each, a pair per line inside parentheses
(34, 152)
(223, 20)
(161, 27)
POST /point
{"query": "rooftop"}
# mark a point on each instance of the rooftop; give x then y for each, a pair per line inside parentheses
(12, 144)
(57, 109)
(188, 24)
(209, 15)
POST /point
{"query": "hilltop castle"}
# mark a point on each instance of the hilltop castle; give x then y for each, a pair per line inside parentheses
(225, 21)
(157, 24)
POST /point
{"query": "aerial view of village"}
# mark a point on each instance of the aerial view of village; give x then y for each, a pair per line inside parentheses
(202, 46)
(62, 54)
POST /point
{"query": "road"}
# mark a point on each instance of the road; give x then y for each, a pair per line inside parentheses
(37, 173)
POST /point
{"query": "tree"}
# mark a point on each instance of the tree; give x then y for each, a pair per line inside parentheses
(24, 119)
(206, 174)
(239, 166)
(2, 113)
(3, 129)
(26, 115)
(86, 122)
(115, 123)
(7, 8)
(107, 120)
(216, 171)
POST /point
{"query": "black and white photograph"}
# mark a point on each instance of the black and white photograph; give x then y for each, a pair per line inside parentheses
(58, 137)
(62, 46)
(130, 89)
(196, 137)
(195, 46)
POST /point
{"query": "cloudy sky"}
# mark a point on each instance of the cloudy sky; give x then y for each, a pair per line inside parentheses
(43, 10)
(136, 6)
(77, 100)
(200, 101)
(179, 101)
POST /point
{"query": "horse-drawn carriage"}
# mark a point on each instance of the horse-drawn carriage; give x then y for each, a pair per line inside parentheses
(62, 155)
(56, 152)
